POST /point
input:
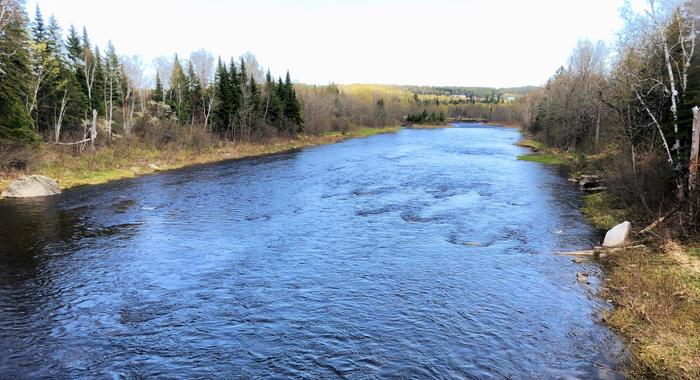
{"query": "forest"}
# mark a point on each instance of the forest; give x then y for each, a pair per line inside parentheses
(65, 94)
(629, 110)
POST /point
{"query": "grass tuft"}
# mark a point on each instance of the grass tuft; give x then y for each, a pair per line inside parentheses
(657, 310)
(547, 159)
(601, 210)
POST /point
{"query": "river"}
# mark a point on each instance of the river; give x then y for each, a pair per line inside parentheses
(417, 254)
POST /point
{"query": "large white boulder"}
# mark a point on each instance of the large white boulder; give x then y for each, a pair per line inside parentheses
(617, 236)
(31, 186)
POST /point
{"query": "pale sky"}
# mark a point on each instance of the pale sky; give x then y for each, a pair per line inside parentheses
(497, 43)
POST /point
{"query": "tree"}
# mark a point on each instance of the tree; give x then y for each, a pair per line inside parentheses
(292, 109)
(112, 88)
(132, 81)
(15, 122)
(157, 93)
(179, 92)
(222, 110)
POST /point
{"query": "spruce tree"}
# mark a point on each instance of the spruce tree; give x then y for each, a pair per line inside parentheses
(157, 93)
(195, 93)
(179, 89)
(292, 108)
(15, 122)
(99, 83)
(222, 111)
(113, 75)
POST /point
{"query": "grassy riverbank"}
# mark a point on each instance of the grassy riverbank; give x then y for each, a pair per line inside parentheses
(429, 126)
(656, 294)
(126, 158)
(542, 154)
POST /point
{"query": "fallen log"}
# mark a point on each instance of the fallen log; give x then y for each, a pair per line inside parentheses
(596, 251)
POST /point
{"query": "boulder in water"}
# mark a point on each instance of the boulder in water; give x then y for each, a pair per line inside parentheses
(617, 236)
(32, 186)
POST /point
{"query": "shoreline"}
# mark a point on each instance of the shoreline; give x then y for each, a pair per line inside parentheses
(655, 293)
(68, 173)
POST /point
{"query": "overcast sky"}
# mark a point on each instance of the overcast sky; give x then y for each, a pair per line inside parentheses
(427, 42)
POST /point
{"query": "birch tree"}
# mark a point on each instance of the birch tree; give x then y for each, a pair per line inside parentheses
(133, 86)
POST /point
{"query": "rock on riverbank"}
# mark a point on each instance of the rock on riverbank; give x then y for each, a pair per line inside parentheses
(31, 186)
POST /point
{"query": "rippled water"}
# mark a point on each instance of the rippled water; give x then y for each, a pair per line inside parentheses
(425, 253)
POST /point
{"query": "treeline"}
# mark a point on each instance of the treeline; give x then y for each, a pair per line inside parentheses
(339, 107)
(475, 92)
(631, 108)
(54, 89)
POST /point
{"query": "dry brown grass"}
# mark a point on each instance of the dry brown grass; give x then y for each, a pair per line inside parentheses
(657, 311)
(126, 157)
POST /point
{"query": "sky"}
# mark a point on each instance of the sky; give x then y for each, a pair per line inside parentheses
(494, 43)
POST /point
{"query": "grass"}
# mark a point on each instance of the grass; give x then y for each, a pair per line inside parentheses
(125, 160)
(543, 158)
(657, 311)
(694, 251)
(534, 145)
(429, 126)
(542, 154)
(602, 212)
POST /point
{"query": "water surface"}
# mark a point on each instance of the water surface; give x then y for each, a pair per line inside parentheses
(423, 254)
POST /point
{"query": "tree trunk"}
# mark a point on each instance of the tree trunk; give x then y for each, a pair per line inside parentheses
(694, 150)
(93, 129)
(61, 113)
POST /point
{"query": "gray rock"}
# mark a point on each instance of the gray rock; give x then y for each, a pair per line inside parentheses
(154, 167)
(32, 186)
(617, 236)
(582, 277)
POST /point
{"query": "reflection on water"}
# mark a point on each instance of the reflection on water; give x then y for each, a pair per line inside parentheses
(426, 253)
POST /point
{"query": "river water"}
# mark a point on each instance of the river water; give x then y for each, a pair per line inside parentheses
(419, 254)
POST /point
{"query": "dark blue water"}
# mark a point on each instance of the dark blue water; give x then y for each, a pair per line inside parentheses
(420, 254)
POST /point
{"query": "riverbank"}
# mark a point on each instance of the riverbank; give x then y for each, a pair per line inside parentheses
(128, 159)
(656, 294)
(429, 126)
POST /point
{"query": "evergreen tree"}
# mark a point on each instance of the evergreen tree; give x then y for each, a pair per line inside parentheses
(68, 85)
(113, 75)
(234, 90)
(15, 122)
(243, 74)
(292, 108)
(273, 107)
(157, 93)
(179, 90)
(195, 93)
(222, 111)
(99, 83)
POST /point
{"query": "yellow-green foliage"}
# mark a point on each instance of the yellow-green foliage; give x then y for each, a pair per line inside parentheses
(547, 159)
(601, 210)
(370, 92)
(531, 144)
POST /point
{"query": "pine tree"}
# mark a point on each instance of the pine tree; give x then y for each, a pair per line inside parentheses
(195, 93)
(112, 87)
(69, 101)
(179, 90)
(272, 107)
(157, 93)
(222, 111)
(292, 108)
(15, 122)
(99, 83)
